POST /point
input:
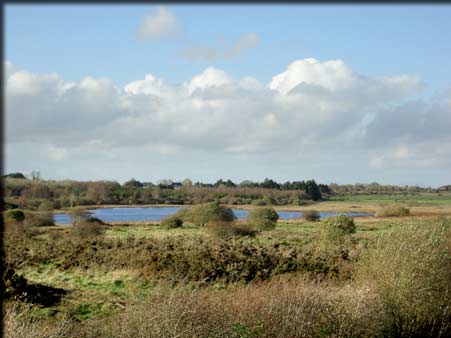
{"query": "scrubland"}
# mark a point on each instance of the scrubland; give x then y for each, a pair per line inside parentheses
(212, 276)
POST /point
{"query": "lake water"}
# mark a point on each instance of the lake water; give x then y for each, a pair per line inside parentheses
(158, 213)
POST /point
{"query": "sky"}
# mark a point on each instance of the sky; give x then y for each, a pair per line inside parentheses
(337, 93)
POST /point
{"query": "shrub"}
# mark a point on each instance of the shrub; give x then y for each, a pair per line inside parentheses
(14, 221)
(44, 216)
(279, 309)
(336, 229)
(19, 321)
(393, 211)
(88, 228)
(259, 202)
(409, 268)
(202, 214)
(16, 215)
(44, 219)
(181, 213)
(270, 200)
(171, 222)
(39, 219)
(230, 229)
(178, 258)
(264, 218)
(84, 225)
(310, 215)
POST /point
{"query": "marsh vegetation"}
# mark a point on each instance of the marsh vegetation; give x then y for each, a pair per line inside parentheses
(203, 273)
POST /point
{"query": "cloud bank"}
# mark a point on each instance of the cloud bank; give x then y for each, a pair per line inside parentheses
(310, 111)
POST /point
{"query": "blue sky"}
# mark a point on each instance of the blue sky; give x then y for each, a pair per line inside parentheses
(100, 40)
(392, 58)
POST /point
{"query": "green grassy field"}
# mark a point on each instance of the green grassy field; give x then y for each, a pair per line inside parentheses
(443, 198)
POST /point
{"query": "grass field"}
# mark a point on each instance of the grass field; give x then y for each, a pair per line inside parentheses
(416, 199)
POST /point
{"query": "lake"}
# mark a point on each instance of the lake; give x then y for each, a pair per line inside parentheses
(158, 213)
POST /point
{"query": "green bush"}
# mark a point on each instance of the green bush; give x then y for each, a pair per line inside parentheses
(310, 215)
(171, 222)
(336, 229)
(16, 215)
(230, 229)
(393, 211)
(409, 269)
(202, 214)
(264, 218)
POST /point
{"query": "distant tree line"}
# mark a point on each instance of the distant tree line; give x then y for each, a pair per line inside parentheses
(382, 189)
(29, 193)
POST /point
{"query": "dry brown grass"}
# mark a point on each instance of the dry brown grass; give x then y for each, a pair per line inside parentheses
(409, 269)
(393, 210)
(287, 307)
(21, 321)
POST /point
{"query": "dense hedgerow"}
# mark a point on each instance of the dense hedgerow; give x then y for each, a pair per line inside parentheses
(176, 258)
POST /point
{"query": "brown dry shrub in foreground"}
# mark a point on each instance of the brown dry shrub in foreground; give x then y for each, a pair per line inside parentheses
(281, 308)
(20, 321)
(409, 269)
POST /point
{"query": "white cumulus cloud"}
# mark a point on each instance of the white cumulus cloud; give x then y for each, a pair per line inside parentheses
(210, 77)
(312, 107)
(160, 24)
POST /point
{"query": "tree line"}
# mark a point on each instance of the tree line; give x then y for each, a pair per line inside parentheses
(30, 192)
(27, 193)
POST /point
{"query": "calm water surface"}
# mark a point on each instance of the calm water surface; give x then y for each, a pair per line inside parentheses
(158, 213)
